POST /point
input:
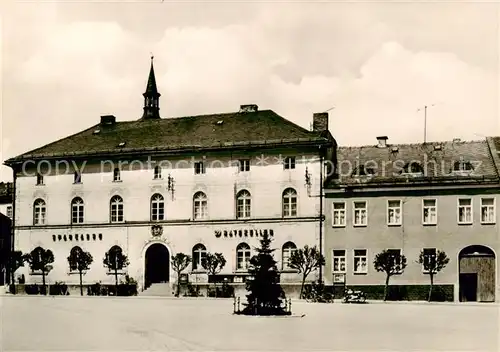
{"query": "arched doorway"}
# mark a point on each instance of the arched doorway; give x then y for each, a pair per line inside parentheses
(157, 264)
(476, 268)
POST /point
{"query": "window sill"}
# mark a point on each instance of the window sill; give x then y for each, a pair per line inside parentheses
(338, 226)
(465, 223)
(77, 183)
(158, 179)
(359, 225)
(429, 224)
(117, 222)
(40, 184)
(394, 225)
(339, 272)
(241, 271)
(360, 272)
(488, 223)
(117, 181)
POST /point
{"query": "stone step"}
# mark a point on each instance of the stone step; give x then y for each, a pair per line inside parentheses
(159, 290)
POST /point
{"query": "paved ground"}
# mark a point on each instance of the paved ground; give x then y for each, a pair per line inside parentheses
(135, 324)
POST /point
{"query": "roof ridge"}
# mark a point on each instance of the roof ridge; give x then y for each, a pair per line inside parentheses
(413, 144)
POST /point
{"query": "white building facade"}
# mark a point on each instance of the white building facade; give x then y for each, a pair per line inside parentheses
(156, 187)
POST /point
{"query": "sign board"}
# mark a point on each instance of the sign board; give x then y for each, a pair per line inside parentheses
(338, 278)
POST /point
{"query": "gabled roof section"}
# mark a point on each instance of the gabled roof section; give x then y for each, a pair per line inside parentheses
(494, 145)
(436, 162)
(203, 132)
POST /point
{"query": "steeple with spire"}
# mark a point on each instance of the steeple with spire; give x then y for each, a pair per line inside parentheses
(151, 96)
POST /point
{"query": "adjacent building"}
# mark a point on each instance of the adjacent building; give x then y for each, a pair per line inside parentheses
(6, 210)
(154, 187)
(411, 198)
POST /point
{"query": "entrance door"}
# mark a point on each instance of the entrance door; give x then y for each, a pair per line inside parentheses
(477, 274)
(157, 264)
(468, 287)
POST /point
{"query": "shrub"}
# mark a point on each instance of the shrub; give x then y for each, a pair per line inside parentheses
(32, 289)
(59, 289)
(192, 291)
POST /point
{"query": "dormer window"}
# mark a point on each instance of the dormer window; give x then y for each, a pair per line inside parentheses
(157, 173)
(463, 166)
(116, 175)
(199, 168)
(364, 171)
(412, 168)
(289, 163)
(77, 177)
(39, 179)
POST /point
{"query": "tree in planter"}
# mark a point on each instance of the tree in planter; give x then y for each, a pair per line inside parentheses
(213, 264)
(80, 261)
(115, 260)
(39, 259)
(266, 294)
(306, 260)
(16, 260)
(180, 262)
(433, 262)
(391, 262)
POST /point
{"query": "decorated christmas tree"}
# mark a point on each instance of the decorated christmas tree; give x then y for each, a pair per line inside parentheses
(266, 297)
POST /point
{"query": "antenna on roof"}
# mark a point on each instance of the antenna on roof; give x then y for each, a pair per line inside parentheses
(425, 120)
(333, 107)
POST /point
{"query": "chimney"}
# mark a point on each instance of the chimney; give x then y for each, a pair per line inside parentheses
(382, 141)
(320, 121)
(108, 120)
(249, 108)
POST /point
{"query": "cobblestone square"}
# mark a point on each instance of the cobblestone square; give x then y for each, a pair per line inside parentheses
(156, 324)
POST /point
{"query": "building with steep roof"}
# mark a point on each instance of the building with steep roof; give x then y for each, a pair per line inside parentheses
(156, 186)
(415, 198)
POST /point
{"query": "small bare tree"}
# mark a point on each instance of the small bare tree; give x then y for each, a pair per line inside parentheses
(80, 261)
(40, 259)
(433, 262)
(115, 260)
(180, 262)
(213, 264)
(16, 260)
(391, 263)
(306, 260)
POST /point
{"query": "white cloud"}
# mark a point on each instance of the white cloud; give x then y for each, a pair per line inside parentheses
(294, 59)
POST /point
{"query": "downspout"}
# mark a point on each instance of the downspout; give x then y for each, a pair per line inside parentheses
(321, 212)
(13, 225)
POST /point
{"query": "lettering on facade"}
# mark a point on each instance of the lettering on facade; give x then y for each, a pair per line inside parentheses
(156, 230)
(77, 237)
(243, 233)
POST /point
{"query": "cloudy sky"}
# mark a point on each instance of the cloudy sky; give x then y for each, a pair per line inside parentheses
(64, 65)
